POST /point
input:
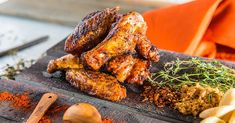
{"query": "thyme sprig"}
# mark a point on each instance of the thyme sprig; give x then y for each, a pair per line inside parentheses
(189, 72)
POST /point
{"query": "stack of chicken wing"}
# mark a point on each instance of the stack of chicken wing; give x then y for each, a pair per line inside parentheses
(107, 49)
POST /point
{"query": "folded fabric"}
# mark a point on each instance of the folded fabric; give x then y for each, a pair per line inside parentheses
(193, 28)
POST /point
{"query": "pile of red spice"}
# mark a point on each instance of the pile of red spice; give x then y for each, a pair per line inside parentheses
(45, 119)
(17, 100)
(107, 120)
(23, 101)
(53, 113)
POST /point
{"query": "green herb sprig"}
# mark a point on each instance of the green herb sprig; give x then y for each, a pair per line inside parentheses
(189, 72)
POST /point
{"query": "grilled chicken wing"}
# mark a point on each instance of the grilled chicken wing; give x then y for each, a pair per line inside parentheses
(104, 37)
(96, 83)
(146, 49)
(119, 40)
(139, 72)
(121, 66)
(91, 31)
(66, 62)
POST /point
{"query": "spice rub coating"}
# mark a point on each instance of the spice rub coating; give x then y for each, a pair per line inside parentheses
(91, 31)
(95, 83)
(121, 66)
(139, 72)
(119, 40)
(65, 62)
(146, 49)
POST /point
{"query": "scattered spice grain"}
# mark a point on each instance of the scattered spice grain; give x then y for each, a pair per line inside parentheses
(161, 96)
(53, 113)
(45, 119)
(54, 110)
(17, 100)
(107, 120)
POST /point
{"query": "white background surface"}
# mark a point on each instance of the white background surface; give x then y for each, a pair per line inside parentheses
(15, 31)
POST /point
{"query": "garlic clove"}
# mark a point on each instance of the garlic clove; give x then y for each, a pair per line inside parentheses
(227, 116)
(82, 113)
(228, 98)
(216, 111)
(232, 118)
(212, 120)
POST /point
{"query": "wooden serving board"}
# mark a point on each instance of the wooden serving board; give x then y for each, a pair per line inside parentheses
(130, 110)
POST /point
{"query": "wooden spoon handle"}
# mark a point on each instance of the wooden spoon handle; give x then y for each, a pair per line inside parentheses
(41, 108)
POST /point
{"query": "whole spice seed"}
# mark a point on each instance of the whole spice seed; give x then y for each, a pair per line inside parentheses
(17, 101)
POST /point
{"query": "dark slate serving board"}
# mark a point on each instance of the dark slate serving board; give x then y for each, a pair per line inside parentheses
(117, 112)
(130, 110)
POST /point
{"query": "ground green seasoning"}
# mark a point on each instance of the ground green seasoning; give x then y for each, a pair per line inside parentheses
(195, 99)
(192, 71)
(9, 71)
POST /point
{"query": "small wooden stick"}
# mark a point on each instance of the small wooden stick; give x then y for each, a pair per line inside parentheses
(41, 108)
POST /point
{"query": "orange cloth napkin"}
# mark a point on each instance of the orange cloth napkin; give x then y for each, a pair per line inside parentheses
(194, 28)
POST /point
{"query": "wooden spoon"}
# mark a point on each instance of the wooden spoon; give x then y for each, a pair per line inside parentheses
(41, 108)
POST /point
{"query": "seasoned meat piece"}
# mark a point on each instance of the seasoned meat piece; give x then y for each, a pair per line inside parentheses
(91, 31)
(121, 66)
(119, 40)
(139, 72)
(95, 83)
(146, 49)
(65, 62)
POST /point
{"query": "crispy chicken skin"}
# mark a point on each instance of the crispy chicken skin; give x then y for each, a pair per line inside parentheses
(91, 31)
(119, 40)
(146, 49)
(95, 83)
(139, 72)
(121, 66)
(65, 62)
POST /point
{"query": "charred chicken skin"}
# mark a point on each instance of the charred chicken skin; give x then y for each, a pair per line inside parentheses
(95, 83)
(119, 40)
(66, 62)
(91, 31)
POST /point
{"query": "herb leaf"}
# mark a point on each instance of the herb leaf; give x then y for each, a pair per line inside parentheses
(189, 72)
